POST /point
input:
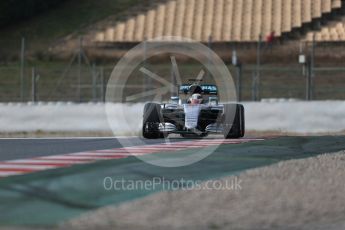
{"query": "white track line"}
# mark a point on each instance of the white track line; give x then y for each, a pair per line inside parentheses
(110, 153)
(72, 157)
(37, 160)
(64, 138)
(6, 174)
(21, 166)
(60, 160)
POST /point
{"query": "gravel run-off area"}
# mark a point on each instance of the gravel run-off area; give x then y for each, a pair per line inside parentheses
(295, 194)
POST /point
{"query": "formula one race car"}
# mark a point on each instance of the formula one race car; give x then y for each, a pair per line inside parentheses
(194, 112)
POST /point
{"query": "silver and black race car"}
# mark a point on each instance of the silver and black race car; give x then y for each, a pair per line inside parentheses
(196, 112)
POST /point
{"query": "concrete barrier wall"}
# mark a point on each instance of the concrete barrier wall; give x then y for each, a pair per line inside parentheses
(270, 115)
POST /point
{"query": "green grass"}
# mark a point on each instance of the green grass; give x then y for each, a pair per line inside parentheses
(69, 17)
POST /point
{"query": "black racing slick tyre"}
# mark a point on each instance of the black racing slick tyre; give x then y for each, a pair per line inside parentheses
(151, 120)
(233, 121)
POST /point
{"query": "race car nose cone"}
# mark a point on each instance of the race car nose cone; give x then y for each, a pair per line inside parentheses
(191, 115)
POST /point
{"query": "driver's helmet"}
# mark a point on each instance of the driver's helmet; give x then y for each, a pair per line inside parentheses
(196, 99)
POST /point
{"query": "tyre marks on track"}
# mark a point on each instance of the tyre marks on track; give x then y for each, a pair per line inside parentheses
(31, 165)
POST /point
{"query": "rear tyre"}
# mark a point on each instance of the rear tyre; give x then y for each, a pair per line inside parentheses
(151, 120)
(233, 121)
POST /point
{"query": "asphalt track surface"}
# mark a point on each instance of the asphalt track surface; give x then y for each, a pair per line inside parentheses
(11, 149)
(48, 197)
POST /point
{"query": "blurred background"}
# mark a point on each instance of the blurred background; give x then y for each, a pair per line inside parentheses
(66, 50)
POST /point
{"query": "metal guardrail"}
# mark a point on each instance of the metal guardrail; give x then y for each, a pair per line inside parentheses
(81, 81)
(46, 84)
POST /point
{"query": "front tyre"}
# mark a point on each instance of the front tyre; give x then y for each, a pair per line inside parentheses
(233, 121)
(151, 121)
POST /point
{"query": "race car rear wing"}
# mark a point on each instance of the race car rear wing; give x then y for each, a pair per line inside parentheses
(207, 89)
